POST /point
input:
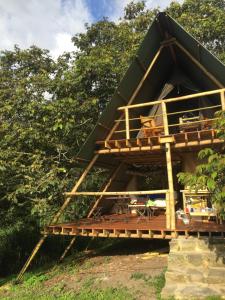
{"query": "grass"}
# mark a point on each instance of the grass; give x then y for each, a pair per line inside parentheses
(156, 282)
(52, 284)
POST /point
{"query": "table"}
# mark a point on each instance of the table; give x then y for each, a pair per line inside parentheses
(141, 210)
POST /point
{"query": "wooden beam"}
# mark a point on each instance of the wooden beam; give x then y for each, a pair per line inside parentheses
(107, 185)
(200, 66)
(31, 257)
(171, 187)
(122, 193)
(74, 189)
(67, 249)
(174, 99)
(168, 41)
(151, 65)
(56, 217)
(132, 149)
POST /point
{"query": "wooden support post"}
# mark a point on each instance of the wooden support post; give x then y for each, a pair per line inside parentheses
(171, 189)
(170, 216)
(127, 124)
(67, 249)
(56, 217)
(109, 182)
(168, 225)
(222, 98)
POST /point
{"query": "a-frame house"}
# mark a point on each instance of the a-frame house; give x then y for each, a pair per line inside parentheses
(160, 116)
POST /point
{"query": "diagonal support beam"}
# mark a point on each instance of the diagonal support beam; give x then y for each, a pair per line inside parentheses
(34, 252)
(67, 248)
(108, 184)
(155, 58)
(57, 216)
(200, 66)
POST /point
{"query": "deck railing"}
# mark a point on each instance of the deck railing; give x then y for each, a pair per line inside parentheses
(167, 125)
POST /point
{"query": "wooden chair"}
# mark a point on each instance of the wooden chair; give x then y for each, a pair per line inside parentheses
(149, 127)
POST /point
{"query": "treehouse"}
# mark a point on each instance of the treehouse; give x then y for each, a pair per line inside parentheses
(160, 116)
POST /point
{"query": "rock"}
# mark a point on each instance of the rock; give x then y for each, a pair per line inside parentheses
(196, 269)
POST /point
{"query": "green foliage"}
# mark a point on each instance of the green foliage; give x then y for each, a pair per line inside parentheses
(48, 107)
(210, 173)
(204, 20)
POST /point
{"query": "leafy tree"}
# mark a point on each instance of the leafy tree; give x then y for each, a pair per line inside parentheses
(47, 109)
(210, 174)
(205, 20)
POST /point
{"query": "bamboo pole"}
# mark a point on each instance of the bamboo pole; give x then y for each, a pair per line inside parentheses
(56, 217)
(174, 99)
(197, 63)
(222, 98)
(80, 180)
(168, 225)
(137, 89)
(174, 113)
(67, 248)
(122, 193)
(171, 188)
(127, 124)
(170, 216)
(105, 189)
(30, 258)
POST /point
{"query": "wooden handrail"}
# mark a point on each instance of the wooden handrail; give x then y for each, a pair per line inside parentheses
(175, 113)
(124, 193)
(196, 95)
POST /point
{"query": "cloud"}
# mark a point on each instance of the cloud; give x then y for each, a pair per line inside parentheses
(48, 24)
(116, 6)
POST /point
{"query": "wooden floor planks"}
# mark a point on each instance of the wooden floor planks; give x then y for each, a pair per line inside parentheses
(135, 227)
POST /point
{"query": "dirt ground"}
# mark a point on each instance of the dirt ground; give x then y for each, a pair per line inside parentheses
(132, 267)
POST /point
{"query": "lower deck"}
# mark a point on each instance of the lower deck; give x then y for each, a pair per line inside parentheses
(128, 226)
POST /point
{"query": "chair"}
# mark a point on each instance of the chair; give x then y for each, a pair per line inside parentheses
(149, 127)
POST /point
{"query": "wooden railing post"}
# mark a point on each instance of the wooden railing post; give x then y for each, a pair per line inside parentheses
(127, 124)
(165, 119)
(222, 98)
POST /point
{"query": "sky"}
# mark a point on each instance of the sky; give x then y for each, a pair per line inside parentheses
(50, 24)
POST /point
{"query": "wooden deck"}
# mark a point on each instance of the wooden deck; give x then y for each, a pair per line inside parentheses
(128, 226)
(155, 143)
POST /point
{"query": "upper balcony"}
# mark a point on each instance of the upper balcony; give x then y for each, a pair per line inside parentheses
(185, 121)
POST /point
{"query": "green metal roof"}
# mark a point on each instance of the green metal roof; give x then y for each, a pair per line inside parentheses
(161, 71)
